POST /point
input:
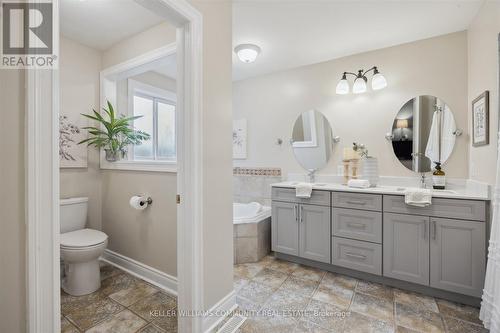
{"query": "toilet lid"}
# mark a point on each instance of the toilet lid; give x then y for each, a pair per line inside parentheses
(83, 238)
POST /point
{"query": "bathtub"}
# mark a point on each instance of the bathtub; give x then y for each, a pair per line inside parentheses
(251, 232)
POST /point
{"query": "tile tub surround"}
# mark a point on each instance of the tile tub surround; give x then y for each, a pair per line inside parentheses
(252, 241)
(254, 184)
(281, 290)
(123, 304)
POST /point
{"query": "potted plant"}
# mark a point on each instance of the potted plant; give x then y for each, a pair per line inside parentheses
(115, 134)
(370, 164)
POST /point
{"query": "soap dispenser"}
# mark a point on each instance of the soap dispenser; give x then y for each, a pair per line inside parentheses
(438, 178)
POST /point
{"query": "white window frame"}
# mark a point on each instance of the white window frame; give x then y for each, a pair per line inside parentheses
(137, 88)
(109, 77)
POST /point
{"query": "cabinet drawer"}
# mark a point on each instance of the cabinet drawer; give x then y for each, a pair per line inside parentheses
(358, 255)
(441, 207)
(321, 198)
(357, 200)
(357, 224)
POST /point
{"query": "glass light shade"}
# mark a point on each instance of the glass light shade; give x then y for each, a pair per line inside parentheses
(359, 86)
(378, 82)
(247, 52)
(402, 123)
(342, 87)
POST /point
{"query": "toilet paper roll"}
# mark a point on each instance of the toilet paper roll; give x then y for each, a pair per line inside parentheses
(138, 202)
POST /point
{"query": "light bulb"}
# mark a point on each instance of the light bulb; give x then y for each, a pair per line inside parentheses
(378, 81)
(342, 87)
(247, 52)
(359, 86)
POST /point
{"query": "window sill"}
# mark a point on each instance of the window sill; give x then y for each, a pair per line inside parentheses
(151, 166)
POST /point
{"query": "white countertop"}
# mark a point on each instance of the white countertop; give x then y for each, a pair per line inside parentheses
(468, 191)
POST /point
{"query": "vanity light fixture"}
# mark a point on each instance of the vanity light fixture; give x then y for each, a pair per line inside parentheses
(247, 52)
(359, 86)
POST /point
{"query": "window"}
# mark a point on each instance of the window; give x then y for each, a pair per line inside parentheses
(158, 120)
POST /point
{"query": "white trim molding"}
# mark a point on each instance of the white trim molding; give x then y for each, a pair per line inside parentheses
(217, 313)
(147, 273)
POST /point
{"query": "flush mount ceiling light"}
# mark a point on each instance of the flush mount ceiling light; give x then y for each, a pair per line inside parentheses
(359, 86)
(247, 52)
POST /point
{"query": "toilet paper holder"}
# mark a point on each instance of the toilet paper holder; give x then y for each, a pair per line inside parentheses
(148, 200)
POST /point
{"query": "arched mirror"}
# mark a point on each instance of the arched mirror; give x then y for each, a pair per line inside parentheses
(423, 133)
(312, 140)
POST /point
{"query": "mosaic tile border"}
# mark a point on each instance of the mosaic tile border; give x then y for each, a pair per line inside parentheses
(272, 172)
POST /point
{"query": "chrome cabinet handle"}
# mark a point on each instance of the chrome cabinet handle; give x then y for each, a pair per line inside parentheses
(356, 202)
(434, 231)
(295, 214)
(357, 225)
(354, 255)
(301, 217)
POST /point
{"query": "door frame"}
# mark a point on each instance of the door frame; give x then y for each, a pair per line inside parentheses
(42, 176)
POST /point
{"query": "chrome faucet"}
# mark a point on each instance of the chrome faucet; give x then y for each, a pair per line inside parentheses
(423, 184)
(312, 176)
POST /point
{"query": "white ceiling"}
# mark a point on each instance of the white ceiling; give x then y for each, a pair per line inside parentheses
(103, 23)
(297, 33)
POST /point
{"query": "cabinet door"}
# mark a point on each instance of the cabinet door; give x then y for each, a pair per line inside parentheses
(285, 228)
(406, 247)
(314, 232)
(458, 255)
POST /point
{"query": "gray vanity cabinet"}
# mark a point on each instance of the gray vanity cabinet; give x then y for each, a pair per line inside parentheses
(314, 232)
(457, 255)
(406, 247)
(285, 228)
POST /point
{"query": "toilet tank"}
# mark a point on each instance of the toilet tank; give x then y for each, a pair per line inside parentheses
(73, 214)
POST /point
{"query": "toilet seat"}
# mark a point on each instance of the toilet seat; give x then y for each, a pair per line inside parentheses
(82, 239)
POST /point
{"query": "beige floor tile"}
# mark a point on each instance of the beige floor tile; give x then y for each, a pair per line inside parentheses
(454, 325)
(358, 323)
(308, 273)
(108, 270)
(401, 329)
(335, 295)
(335, 280)
(67, 327)
(256, 292)
(272, 324)
(326, 315)
(270, 277)
(155, 306)
(134, 292)
(267, 259)
(151, 328)
(247, 308)
(420, 320)
(239, 282)
(86, 311)
(118, 282)
(305, 326)
(372, 306)
(375, 289)
(122, 322)
(287, 303)
(282, 266)
(460, 311)
(418, 301)
(249, 270)
(301, 286)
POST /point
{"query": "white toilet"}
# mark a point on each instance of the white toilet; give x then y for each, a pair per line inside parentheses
(80, 248)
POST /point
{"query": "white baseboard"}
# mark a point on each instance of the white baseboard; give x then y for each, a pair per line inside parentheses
(219, 312)
(147, 273)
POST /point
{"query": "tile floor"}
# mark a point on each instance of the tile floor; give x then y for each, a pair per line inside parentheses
(276, 296)
(275, 293)
(124, 304)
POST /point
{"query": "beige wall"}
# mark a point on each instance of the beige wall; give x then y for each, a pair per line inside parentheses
(217, 149)
(271, 103)
(79, 81)
(483, 75)
(148, 236)
(12, 229)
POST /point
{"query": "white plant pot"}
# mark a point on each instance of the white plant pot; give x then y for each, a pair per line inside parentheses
(370, 170)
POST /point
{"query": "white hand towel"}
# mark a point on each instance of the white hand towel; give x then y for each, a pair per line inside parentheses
(303, 190)
(358, 183)
(418, 197)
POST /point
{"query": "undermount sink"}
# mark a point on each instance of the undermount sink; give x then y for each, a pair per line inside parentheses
(401, 189)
